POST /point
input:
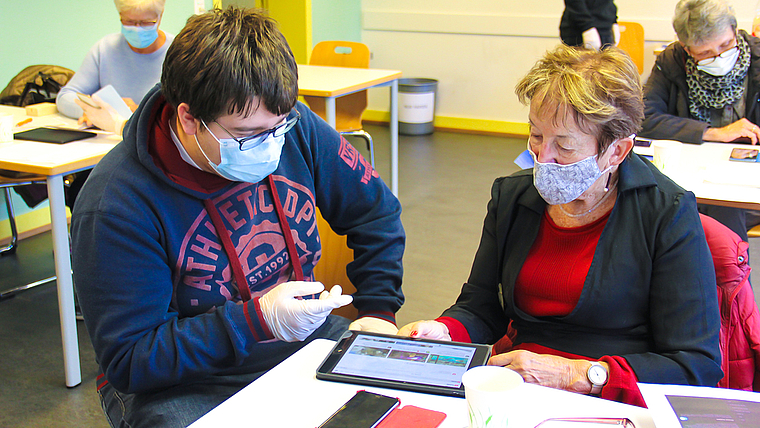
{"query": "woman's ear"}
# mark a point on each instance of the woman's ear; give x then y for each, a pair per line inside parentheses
(188, 122)
(620, 150)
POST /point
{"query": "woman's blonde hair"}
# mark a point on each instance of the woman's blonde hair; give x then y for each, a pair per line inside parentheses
(156, 6)
(601, 90)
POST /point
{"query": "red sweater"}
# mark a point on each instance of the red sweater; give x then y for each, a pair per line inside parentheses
(550, 284)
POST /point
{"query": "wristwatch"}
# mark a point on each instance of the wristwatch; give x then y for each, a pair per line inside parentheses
(598, 377)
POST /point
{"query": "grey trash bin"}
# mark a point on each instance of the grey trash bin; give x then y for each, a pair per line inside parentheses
(416, 105)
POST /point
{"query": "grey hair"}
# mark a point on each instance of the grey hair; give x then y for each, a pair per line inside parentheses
(698, 21)
(140, 6)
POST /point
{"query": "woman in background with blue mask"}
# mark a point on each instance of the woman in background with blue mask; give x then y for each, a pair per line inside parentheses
(706, 87)
(129, 60)
(594, 261)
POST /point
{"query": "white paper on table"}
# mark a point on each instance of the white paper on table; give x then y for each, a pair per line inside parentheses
(734, 173)
(663, 414)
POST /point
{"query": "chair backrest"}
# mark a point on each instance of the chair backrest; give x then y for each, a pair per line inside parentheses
(331, 268)
(348, 109)
(632, 42)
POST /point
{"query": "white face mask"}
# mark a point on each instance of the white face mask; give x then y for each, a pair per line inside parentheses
(722, 65)
(250, 166)
(559, 184)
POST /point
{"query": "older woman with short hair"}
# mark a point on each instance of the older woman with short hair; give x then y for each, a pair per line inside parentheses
(597, 259)
(706, 87)
(130, 60)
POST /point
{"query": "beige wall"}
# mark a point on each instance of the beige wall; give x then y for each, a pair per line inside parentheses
(478, 49)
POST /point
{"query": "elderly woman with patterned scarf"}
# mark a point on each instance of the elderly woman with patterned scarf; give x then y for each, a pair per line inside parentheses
(706, 87)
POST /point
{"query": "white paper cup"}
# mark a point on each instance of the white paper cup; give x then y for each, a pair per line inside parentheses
(667, 156)
(491, 393)
(6, 127)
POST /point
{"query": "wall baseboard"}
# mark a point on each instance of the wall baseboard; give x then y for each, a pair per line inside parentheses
(461, 124)
(29, 224)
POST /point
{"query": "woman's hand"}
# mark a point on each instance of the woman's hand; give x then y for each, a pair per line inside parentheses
(742, 128)
(131, 104)
(428, 329)
(548, 370)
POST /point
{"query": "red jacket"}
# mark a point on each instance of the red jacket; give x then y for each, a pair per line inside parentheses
(739, 318)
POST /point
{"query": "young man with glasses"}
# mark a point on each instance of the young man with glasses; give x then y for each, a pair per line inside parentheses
(194, 240)
(706, 87)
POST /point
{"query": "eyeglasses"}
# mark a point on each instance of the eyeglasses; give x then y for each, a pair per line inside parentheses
(141, 24)
(725, 54)
(248, 143)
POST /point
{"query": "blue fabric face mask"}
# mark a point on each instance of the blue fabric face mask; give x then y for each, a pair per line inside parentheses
(140, 37)
(560, 184)
(250, 166)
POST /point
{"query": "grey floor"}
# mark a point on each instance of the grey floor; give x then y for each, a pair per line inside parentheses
(445, 182)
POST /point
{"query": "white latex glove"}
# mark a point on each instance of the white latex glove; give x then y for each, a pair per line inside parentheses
(615, 34)
(105, 117)
(374, 325)
(429, 329)
(591, 39)
(292, 319)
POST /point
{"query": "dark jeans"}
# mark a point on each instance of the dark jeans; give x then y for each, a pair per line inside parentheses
(181, 405)
(737, 219)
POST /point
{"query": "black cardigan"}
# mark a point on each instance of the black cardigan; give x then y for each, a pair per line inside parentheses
(650, 293)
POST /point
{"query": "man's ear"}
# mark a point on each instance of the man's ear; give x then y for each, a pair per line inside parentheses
(190, 125)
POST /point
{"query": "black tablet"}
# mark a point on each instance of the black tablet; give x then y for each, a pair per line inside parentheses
(53, 135)
(420, 365)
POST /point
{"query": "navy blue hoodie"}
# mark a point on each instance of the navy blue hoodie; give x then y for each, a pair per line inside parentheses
(153, 280)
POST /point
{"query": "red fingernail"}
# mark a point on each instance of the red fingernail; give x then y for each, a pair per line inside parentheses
(414, 333)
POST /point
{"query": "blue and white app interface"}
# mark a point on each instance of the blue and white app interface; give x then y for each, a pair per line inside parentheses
(406, 361)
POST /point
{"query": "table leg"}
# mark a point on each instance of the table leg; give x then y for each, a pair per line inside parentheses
(65, 282)
(394, 137)
(330, 111)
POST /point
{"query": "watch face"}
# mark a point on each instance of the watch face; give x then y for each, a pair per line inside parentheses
(597, 375)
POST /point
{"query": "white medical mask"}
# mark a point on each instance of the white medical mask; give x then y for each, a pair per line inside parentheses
(140, 37)
(721, 65)
(560, 184)
(250, 166)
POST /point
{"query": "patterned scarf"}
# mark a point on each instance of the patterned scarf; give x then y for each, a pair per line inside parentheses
(716, 92)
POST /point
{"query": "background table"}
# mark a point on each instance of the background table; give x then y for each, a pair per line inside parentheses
(289, 395)
(705, 170)
(54, 161)
(333, 82)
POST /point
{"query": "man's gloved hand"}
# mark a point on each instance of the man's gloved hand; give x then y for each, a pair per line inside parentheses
(105, 117)
(375, 325)
(291, 319)
(591, 39)
(616, 34)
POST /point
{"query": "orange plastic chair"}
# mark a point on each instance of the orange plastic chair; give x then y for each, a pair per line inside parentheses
(349, 108)
(331, 268)
(632, 42)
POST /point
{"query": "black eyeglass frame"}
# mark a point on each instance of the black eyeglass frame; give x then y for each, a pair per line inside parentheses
(140, 24)
(261, 136)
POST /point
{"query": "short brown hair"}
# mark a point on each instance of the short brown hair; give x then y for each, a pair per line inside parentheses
(222, 59)
(601, 89)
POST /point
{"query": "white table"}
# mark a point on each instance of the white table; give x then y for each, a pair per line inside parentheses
(705, 170)
(55, 161)
(289, 395)
(333, 82)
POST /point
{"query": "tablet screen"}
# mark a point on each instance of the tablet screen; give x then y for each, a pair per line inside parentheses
(385, 360)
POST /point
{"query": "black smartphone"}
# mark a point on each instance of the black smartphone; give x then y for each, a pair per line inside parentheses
(363, 410)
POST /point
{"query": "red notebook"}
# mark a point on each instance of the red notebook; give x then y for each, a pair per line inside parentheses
(412, 417)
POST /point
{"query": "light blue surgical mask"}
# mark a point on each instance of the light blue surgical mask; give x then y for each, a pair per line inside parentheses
(251, 165)
(140, 37)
